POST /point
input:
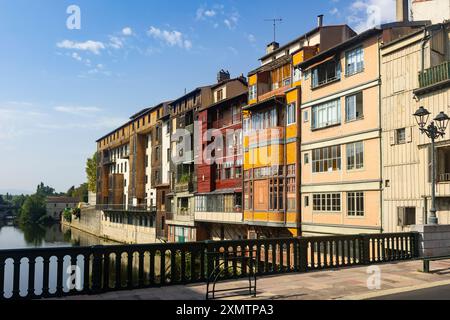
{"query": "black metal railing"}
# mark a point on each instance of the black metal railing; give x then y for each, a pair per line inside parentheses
(56, 272)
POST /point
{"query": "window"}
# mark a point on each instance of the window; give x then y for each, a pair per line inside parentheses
(305, 116)
(276, 194)
(354, 61)
(297, 74)
(248, 195)
(291, 114)
(306, 158)
(326, 114)
(306, 201)
(400, 136)
(327, 202)
(265, 120)
(238, 172)
(354, 107)
(252, 92)
(326, 159)
(406, 216)
(219, 94)
(355, 204)
(355, 155)
(281, 77)
(325, 73)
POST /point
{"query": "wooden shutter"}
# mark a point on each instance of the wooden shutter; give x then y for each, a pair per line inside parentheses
(392, 137)
(408, 134)
(401, 217)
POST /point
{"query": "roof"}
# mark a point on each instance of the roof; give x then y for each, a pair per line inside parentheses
(218, 103)
(62, 200)
(260, 103)
(190, 94)
(304, 36)
(272, 65)
(134, 117)
(338, 48)
(240, 78)
(358, 38)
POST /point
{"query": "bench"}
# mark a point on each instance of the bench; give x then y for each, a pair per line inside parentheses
(426, 262)
(247, 266)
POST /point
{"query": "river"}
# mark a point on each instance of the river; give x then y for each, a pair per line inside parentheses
(35, 236)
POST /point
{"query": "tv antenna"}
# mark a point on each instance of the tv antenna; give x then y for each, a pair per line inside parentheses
(274, 21)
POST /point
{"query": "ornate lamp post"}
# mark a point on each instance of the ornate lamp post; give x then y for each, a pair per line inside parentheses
(433, 131)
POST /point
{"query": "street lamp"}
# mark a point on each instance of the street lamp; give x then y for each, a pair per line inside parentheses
(433, 131)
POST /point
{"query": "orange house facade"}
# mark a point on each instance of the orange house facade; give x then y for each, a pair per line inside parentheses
(341, 136)
(272, 134)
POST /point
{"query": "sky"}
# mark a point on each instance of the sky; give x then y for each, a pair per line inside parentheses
(65, 82)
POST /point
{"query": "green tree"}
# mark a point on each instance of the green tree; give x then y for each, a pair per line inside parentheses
(91, 172)
(44, 191)
(70, 192)
(33, 210)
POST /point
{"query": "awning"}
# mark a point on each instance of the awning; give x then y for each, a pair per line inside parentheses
(269, 100)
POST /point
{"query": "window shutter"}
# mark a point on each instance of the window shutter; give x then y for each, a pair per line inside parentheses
(409, 135)
(392, 137)
(401, 216)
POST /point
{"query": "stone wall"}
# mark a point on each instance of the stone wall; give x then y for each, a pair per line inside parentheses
(434, 240)
(92, 221)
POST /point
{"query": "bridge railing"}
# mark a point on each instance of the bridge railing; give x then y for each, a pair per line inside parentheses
(57, 272)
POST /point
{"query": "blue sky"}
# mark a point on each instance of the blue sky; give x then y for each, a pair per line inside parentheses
(62, 89)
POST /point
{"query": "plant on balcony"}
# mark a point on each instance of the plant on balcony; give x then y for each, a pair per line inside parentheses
(185, 178)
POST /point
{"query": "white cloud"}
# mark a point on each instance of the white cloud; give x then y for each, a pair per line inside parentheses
(79, 111)
(170, 38)
(93, 46)
(251, 38)
(232, 20)
(116, 42)
(370, 13)
(335, 12)
(127, 31)
(203, 13)
(76, 56)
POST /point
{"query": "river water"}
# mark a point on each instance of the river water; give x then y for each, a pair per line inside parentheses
(36, 236)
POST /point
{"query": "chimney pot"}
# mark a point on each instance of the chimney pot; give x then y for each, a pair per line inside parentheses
(320, 20)
(402, 10)
(271, 47)
(223, 75)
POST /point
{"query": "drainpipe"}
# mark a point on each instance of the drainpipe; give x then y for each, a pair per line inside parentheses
(426, 38)
(381, 131)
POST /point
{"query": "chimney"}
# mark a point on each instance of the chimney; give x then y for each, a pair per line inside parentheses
(271, 47)
(223, 75)
(320, 21)
(402, 10)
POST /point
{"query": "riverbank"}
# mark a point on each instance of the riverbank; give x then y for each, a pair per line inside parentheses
(118, 227)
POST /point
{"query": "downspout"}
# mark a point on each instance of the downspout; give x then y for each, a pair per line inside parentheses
(381, 136)
(426, 38)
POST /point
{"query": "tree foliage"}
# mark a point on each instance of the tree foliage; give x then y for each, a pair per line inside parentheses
(33, 210)
(91, 172)
(44, 191)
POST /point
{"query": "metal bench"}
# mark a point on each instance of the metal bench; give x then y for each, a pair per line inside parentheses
(426, 262)
(247, 262)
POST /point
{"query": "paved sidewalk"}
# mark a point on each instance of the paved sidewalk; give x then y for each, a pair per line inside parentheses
(348, 283)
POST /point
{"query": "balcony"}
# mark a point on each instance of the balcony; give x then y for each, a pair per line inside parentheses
(220, 217)
(434, 75)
